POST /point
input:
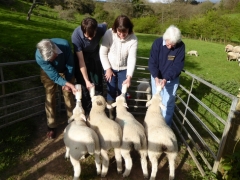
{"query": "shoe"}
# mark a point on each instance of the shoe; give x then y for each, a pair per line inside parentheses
(51, 134)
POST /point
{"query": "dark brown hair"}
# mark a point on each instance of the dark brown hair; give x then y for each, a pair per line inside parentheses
(89, 26)
(122, 23)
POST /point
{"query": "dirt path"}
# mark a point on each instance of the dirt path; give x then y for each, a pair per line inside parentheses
(45, 161)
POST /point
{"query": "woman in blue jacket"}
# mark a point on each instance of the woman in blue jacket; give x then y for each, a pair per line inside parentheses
(165, 64)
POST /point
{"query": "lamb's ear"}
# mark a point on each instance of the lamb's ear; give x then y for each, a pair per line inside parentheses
(70, 119)
(113, 104)
(162, 106)
(83, 117)
(125, 105)
(148, 103)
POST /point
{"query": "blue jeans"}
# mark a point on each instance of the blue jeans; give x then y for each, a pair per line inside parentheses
(114, 87)
(168, 94)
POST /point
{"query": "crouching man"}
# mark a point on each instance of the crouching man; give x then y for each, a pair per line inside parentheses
(55, 58)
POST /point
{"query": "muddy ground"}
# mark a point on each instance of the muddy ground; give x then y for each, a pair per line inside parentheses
(45, 161)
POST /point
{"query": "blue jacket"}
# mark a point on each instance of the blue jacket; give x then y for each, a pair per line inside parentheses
(166, 63)
(63, 63)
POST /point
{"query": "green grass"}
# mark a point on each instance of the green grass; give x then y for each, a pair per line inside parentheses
(19, 38)
(18, 42)
(14, 141)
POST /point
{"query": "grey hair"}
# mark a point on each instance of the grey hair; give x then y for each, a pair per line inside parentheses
(173, 34)
(46, 48)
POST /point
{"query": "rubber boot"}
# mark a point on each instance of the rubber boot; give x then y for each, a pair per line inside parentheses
(111, 111)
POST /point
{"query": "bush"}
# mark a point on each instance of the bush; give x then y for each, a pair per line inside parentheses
(67, 15)
(148, 24)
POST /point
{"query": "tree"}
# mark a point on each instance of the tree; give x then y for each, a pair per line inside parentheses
(31, 9)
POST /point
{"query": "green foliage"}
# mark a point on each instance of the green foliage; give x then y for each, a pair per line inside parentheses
(231, 165)
(103, 16)
(68, 15)
(210, 176)
(146, 25)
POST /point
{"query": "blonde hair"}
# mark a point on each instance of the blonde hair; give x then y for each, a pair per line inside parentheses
(173, 34)
(46, 48)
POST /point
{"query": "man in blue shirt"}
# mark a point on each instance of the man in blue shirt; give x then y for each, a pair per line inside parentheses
(89, 72)
(54, 56)
(165, 63)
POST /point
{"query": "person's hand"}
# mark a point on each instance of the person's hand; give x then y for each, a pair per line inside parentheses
(160, 82)
(89, 84)
(108, 75)
(163, 82)
(69, 87)
(66, 88)
(127, 81)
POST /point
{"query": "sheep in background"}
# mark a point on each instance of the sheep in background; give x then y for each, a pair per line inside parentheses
(133, 136)
(161, 138)
(236, 49)
(192, 52)
(108, 131)
(79, 140)
(229, 48)
(145, 86)
(233, 56)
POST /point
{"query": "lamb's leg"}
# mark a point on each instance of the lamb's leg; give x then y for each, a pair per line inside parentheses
(105, 162)
(153, 157)
(128, 161)
(143, 154)
(67, 152)
(98, 163)
(171, 161)
(118, 157)
(76, 167)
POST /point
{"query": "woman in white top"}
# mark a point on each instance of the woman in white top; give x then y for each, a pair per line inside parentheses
(118, 56)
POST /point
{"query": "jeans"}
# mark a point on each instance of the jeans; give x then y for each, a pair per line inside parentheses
(168, 94)
(50, 102)
(114, 87)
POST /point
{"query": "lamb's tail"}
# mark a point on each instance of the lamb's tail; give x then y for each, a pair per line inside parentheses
(164, 148)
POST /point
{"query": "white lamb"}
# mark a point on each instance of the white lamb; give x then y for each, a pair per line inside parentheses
(109, 133)
(192, 52)
(236, 49)
(229, 48)
(233, 56)
(161, 138)
(79, 140)
(144, 86)
(133, 136)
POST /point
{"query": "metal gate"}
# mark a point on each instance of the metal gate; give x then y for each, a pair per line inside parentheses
(201, 125)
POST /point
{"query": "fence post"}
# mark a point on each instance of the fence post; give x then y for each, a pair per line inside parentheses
(233, 135)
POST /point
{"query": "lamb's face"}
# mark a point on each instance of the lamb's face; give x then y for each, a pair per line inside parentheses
(156, 101)
(99, 102)
(121, 99)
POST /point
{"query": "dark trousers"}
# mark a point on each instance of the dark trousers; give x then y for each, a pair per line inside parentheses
(95, 75)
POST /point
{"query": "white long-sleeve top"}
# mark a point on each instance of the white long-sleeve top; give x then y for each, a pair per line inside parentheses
(118, 54)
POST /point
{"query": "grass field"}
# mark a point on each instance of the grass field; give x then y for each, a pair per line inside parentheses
(19, 38)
